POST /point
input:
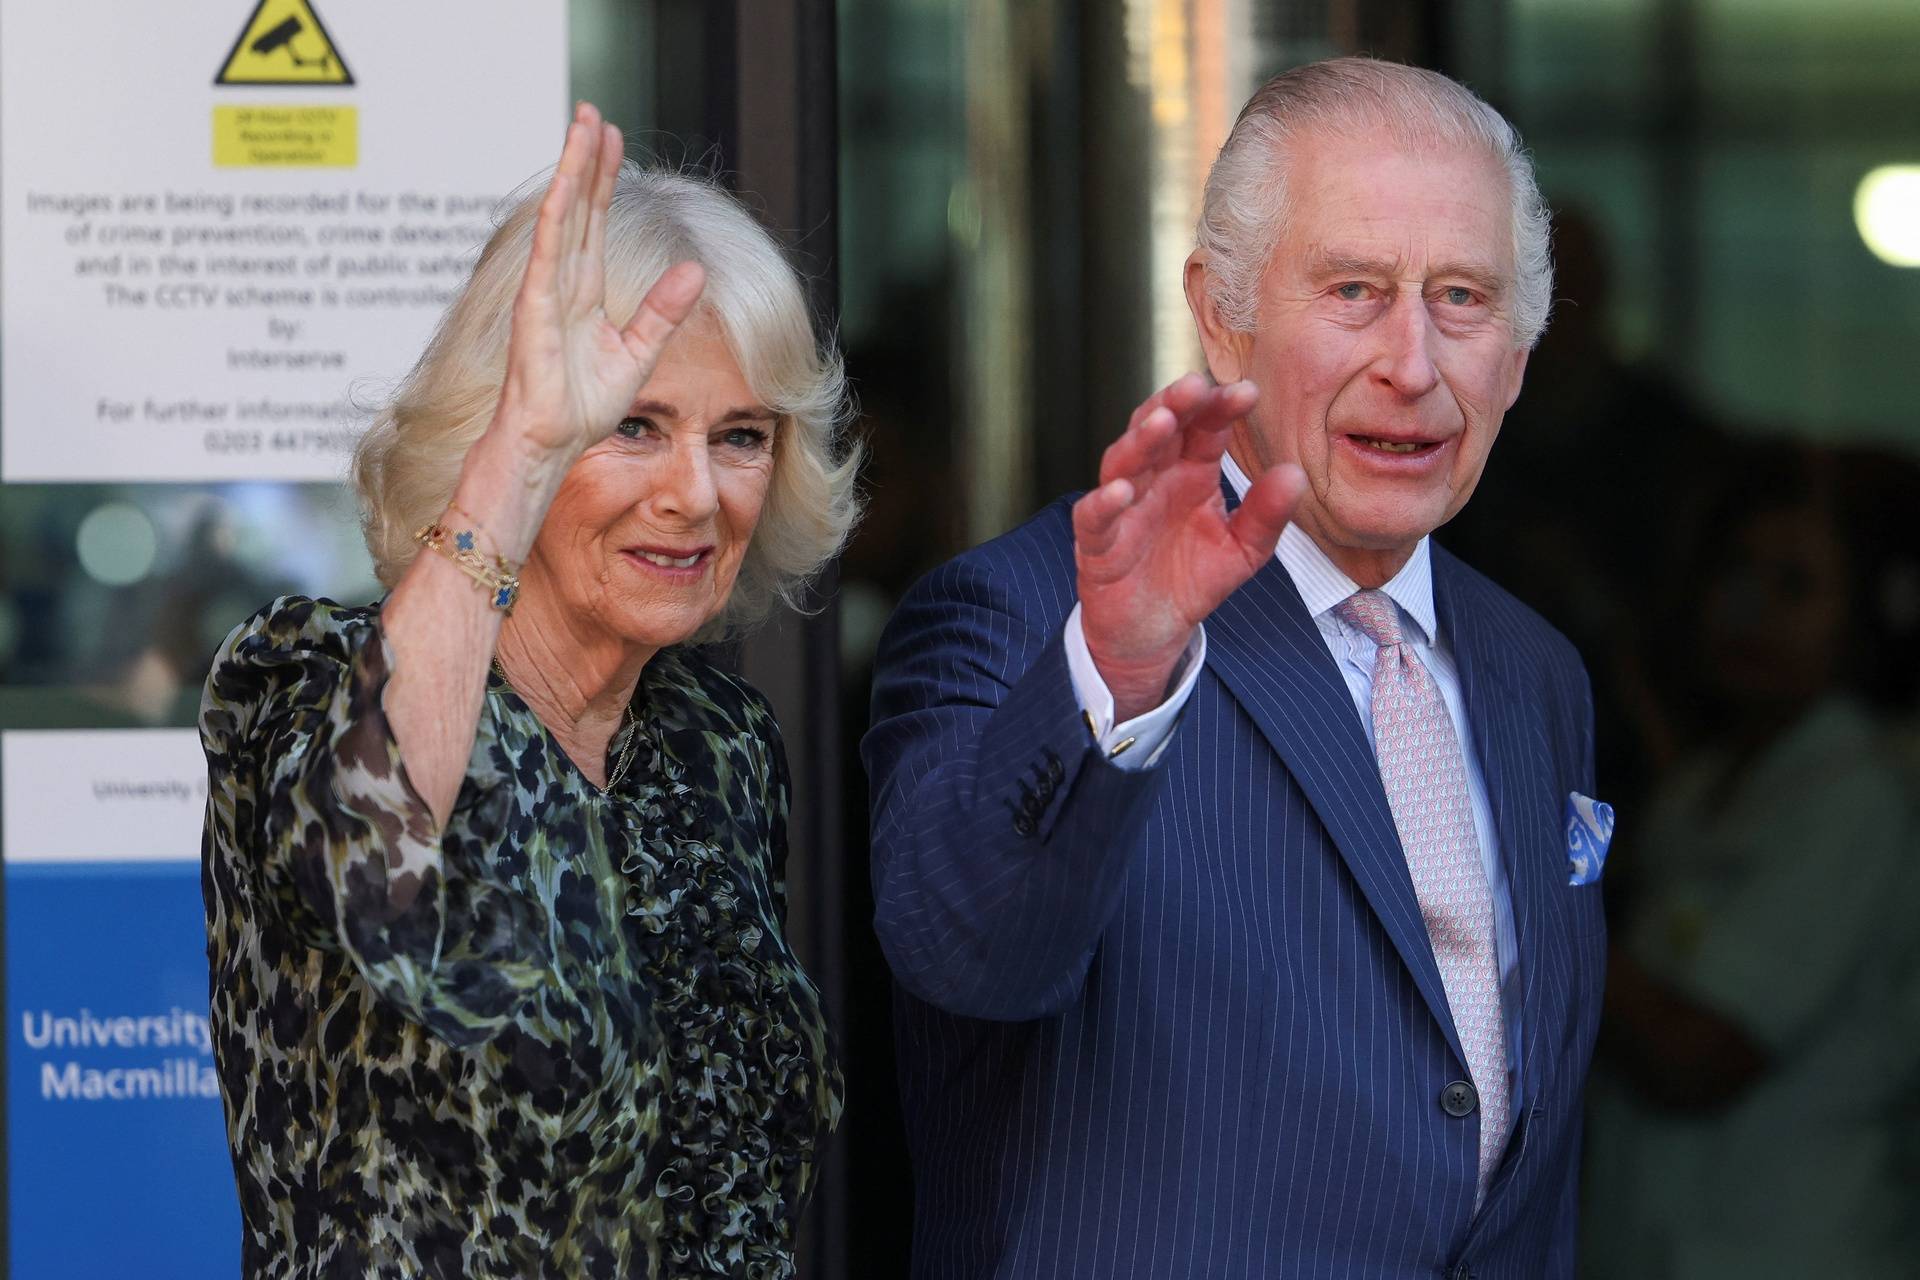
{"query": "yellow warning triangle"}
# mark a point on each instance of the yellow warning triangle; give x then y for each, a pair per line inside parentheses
(284, 42)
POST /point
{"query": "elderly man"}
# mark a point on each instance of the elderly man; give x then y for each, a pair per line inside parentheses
(1253, 948)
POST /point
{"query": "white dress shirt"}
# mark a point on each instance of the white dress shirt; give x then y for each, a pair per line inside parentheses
(1322, 586)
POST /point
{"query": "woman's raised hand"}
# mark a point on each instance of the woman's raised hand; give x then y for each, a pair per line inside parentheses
(571, 372)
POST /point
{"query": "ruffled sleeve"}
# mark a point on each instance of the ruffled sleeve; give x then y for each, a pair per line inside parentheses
(314, 829)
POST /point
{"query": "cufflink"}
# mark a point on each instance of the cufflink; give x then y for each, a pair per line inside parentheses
(1093, 731)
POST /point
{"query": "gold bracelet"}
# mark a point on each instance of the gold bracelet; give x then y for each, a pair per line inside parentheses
(497, 576)
(468, 516)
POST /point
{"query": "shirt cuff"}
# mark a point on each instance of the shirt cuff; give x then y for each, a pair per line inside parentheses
(1138, 743)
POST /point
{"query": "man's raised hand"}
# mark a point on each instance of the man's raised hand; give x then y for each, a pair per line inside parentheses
(1154, 546)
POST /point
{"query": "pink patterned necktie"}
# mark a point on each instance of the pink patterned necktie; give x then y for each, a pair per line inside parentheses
(1426, 783)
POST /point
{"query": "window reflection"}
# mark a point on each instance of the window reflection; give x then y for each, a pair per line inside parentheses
(116, 596)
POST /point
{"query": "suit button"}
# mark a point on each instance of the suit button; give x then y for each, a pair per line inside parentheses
(1055, 770)
(1023, 824)
(1458, 1100)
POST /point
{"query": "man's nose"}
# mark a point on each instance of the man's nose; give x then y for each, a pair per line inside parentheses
(1406, 361)
(686, 488)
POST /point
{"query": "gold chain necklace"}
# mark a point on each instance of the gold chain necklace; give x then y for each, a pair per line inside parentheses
(630, 725)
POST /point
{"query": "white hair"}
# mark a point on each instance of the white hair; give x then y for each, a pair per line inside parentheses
(1246, 196)
(407, 464)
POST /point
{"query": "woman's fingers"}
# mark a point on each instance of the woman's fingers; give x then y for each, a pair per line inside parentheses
(594, 255)
(580, 161)
(541, 282)
(666, 306)
(555, 231)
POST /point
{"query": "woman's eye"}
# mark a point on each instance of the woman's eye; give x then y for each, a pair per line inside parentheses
(1351, 291)
(748, 438)
(634, 428)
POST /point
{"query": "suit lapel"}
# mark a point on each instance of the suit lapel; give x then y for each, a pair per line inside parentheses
(1510, 738)
(1267, 651)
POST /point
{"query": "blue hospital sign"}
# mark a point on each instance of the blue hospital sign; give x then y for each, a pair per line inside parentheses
(117, 1162)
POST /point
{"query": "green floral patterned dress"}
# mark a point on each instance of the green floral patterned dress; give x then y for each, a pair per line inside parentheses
(563, 1037)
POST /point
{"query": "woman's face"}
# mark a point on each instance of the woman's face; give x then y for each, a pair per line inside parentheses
(645, 537)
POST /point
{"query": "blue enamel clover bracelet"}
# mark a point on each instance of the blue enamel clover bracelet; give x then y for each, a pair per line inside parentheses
(495, 575)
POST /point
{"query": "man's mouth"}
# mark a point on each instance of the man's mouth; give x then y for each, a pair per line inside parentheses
(1395, 446)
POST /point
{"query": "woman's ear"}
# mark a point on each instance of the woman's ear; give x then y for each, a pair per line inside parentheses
(1225, 347)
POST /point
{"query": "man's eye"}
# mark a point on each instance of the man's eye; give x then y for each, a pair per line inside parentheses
(1352, 291)
(1459, 297)
(634, 428)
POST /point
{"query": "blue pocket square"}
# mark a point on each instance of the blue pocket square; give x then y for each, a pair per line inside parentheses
(1589, 832)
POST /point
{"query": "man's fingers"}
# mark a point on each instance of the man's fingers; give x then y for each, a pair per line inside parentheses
(1096, 517)
(667, 304)
(1191, 423)
(1187, 382)
(1186, 391)
(1194, 426)
(1205, 428)
(1263, 514)
(1145, 407)
(1134, 452)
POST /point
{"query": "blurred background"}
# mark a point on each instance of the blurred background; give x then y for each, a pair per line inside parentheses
(1711, 483)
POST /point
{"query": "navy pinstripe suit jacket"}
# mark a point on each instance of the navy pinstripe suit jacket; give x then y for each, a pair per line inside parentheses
(1186, 1022)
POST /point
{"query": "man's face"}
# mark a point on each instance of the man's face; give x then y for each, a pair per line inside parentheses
(1384, 350)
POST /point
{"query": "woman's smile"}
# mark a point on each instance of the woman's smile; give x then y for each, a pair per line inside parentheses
(674, 564)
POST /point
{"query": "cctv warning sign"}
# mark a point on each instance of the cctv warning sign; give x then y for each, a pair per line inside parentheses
(284, 42)
(172, 310)
(322, 137)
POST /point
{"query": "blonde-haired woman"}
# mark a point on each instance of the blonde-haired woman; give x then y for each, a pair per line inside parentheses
(494, 868)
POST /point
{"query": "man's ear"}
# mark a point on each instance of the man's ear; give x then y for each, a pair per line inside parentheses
(1225, 347)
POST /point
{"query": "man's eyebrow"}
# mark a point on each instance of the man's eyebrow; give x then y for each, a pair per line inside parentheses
(1330, 262)
(1478, 274)
(1327, 263)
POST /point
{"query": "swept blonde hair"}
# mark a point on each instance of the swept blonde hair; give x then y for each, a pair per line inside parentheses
(406, 465)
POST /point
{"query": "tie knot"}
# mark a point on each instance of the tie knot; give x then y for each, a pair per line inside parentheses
(1374, 613)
